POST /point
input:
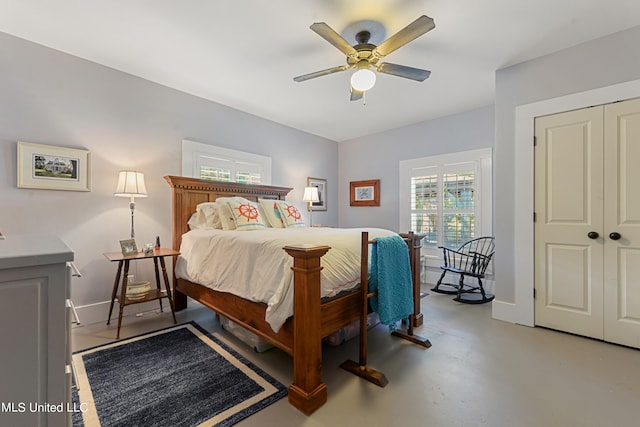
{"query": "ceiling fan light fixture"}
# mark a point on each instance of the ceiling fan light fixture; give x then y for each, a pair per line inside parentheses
(365, 54)
(363, 79)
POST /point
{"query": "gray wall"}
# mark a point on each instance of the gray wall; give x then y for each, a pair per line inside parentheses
(52, 98)
(596, 64)
(378, 156)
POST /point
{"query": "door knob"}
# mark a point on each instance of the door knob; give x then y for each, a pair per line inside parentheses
(593, 235)
(615, 236)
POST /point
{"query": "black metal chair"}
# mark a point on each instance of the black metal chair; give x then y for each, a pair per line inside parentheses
(470, 259)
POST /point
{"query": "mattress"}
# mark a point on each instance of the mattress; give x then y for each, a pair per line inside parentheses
(254, 266)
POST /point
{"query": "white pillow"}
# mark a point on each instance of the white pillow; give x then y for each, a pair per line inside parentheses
(224, 211)
(208, 216)
(193, 222)
(263, 215)
(271, 212)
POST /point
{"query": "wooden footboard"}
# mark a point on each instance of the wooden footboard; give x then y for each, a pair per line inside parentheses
(301, 335)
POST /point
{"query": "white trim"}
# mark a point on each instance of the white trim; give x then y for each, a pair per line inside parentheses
(522, 310)
(192, 152)
(506, 311)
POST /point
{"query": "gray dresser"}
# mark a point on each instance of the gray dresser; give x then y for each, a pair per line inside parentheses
(35, 350)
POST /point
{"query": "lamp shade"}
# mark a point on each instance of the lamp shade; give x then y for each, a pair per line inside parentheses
(310, 194)
(131, 184)
(363, 79)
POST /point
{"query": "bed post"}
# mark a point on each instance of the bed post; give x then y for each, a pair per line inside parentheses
(308, 392)
(417, 318)
(413, 242)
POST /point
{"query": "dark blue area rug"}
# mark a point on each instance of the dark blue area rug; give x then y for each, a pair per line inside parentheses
(180, 376)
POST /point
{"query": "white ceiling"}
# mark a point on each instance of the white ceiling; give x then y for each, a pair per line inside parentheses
(245, 53)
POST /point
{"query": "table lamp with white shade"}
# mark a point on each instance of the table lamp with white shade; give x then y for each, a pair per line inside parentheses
(131, 184)
(310, 196)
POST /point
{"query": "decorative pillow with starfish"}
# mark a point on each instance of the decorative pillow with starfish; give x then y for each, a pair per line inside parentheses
(271, 212)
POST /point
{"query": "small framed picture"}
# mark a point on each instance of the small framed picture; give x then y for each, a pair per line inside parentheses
(50, 167)
(365, 193)
(128, 247)
(321, 184)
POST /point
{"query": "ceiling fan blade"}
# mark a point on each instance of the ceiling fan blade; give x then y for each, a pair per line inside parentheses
(416, 74)
(356, 94)
(328, 33)
(320, 73)
(411, 32)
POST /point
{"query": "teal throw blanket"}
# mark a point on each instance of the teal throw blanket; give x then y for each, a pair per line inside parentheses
(390, 275)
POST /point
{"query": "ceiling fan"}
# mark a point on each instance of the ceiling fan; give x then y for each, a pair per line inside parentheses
(364, 56)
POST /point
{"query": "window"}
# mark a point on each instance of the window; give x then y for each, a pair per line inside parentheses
(223, 164)
(447, 198)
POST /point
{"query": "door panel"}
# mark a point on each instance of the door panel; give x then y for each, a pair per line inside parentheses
(629, 286)
(567, 174)
(567, 288)
(622, 215)
(569, 205)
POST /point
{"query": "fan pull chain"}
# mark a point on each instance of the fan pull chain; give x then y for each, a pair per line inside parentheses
(364, 98)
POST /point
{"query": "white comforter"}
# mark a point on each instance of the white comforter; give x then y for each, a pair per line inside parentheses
(253, 265)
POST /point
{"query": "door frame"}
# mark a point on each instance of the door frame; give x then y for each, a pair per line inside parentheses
(521, 311)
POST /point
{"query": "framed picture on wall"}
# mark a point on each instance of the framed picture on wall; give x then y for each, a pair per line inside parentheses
(321, 184)
(365, 193)
(49, 167)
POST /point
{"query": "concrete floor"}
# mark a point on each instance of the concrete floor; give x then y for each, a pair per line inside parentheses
(479, 372)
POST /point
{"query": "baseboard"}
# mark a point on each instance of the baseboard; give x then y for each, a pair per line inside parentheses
(508, 312)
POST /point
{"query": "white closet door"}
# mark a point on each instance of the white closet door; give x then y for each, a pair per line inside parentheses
(588, 180)
(569, 206)
(622, 216)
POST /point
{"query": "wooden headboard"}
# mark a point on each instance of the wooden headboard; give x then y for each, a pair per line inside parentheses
(187, 193)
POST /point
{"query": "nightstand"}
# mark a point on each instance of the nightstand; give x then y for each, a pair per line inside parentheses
(158, 256)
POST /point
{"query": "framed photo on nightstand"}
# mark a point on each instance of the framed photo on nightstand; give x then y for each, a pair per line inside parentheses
(128, 247)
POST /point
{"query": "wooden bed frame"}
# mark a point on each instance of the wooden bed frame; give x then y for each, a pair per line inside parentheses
(301, 335)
